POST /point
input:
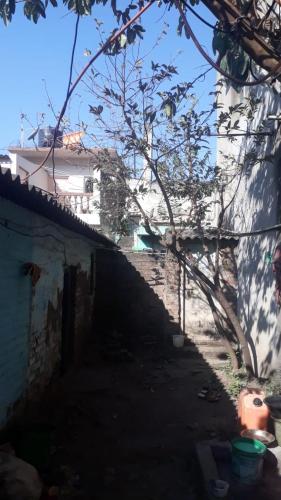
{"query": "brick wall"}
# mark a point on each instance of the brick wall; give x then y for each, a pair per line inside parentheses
(161, 276)
(147, 294)
(145, 288)
(130, 296)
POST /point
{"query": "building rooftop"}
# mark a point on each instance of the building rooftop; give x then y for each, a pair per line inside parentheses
(64, 155)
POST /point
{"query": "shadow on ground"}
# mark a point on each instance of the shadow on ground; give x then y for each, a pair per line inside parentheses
(129, 427)
(128, 419)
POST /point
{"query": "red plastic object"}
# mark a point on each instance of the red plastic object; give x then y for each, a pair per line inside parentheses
(252, 411)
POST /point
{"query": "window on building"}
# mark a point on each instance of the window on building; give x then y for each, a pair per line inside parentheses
(88, 184)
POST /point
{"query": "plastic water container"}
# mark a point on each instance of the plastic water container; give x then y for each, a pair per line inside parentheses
(253, 413)
(178, 340)
(247, 459)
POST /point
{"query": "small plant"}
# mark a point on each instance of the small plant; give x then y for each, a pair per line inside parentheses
(273, 385)
(236, 380)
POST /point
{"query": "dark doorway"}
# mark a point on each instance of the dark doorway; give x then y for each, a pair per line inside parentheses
(68, 318)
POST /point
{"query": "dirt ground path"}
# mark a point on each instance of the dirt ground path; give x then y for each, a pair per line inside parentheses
(128, 428)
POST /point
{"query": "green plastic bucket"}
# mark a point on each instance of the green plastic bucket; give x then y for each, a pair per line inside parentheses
(247, 459)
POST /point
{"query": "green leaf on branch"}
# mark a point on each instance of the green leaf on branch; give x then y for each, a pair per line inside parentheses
(96, 110)
(181, 27)
(131, 35)
(233, 59)
(169, 108)
(113, 6)
(142, 86)
(221, 43)
(123, 40)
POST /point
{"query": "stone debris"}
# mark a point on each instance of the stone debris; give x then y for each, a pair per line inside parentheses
(211, 395)
(18, 479)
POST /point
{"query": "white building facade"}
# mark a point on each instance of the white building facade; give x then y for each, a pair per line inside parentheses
(256, 205)
(72, 176)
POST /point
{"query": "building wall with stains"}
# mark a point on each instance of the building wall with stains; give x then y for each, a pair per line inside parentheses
(256, 205)
(34, 255)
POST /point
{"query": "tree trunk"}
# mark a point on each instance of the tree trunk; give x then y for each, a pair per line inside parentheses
(226, 342)
(204, 281)
(227, 307)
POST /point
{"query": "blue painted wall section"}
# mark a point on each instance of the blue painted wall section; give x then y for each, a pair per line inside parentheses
(30, 325)
(15, 300)
(144, 241)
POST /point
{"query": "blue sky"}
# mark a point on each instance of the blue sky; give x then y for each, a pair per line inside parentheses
(31, 54)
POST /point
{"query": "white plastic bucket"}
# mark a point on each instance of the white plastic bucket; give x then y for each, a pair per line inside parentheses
(178, 340)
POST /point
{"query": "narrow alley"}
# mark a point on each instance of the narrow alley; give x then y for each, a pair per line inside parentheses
(121, 420)
(96, 402)
(126, 427)
(140, 250)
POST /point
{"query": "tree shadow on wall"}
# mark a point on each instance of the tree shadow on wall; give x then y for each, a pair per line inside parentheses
(258, 206)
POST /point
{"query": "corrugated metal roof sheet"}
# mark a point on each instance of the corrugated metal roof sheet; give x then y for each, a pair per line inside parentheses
(44, 204)
(208, 234)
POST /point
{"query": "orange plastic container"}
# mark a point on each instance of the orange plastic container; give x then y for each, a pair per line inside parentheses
(252, 411)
